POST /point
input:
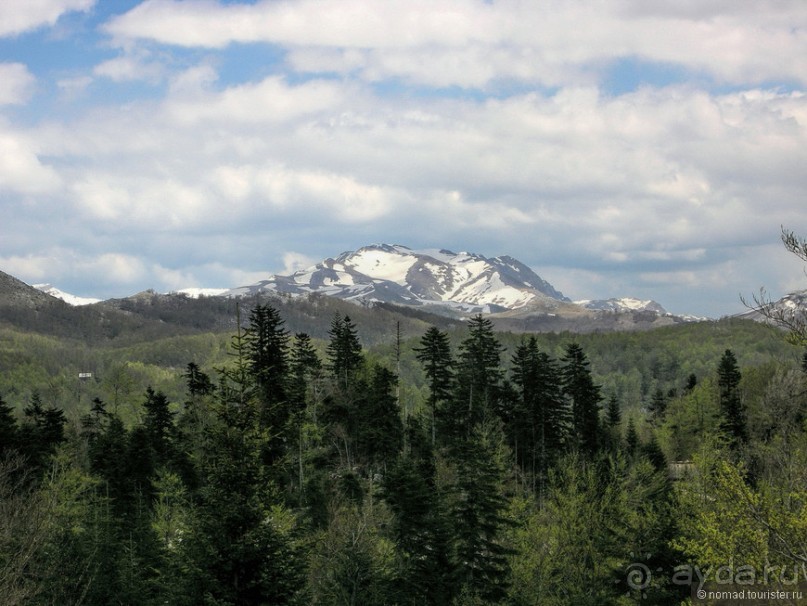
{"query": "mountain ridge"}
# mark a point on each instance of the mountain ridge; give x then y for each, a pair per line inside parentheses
(435, 279)
(465, 282)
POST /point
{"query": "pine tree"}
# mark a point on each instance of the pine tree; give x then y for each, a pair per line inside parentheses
(579, 387)
(435, 356)
(733, 421)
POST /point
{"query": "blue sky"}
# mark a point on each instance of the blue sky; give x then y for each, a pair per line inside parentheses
(639, 148)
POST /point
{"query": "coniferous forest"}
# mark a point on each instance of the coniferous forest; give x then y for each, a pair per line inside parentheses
(505, 469)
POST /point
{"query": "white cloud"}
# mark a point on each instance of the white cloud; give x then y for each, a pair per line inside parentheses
(21, 169)
(16, 83)
(57, 265)
(130, 68)
(294, 261)
(271, 100)
(18, 16)
(453, 42)
(218, 174)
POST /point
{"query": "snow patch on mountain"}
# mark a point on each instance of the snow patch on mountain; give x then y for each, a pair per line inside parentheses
(64, 296)
(623, 304)
(397, 274)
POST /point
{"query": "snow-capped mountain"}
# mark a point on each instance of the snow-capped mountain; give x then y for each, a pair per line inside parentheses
(790, 309)
(64, 296)
(465, 281)
(623, 304)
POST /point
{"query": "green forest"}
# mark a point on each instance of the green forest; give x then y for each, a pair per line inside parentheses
(444, 465)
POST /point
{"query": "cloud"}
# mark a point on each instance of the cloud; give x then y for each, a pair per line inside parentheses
(16, 83)
(117, 268)
(19, 17)
(223, 135)
(473, 44)
(21, 170)
(294, 261)
(129, 67)
(270, 100)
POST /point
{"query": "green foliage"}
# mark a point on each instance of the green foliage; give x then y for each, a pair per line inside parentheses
(200, 468)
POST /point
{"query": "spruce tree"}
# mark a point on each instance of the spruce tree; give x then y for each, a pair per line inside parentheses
(733, 421)
(238, 549)
(631, 437)
(434, 354)
(197, 382)
(344, 350)
(8, 429)
(479, 375)
(304, 363)
(267, 351)
(584, 395)
(420, 528)
(41, 432)
(380, 431)
(539, 422)
(481, 564)
(613, 414)
(158, 424)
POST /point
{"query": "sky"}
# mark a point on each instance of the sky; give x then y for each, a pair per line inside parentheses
(644, 148)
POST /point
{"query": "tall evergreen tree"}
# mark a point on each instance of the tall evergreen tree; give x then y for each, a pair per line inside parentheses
(733, 418)
(344, 350)
(41, 432)
(539, 422)
(613, 413)
(158, 423)
(579, 387)
(380, 428)
(479, 375)
(304, 363)
(481, 565)
(237, 390)
(8, 429)
(238, 549)
(631, 437)
(197, 382)
(420, 529)
(435, 356)
(267, 350)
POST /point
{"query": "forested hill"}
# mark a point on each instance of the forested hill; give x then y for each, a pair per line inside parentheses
(438, 465)
(150, 316)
